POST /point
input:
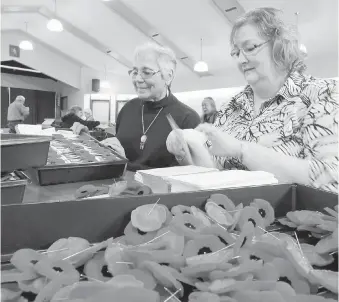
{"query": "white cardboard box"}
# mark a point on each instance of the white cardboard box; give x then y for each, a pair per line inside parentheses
(220, 180)
(157, 179)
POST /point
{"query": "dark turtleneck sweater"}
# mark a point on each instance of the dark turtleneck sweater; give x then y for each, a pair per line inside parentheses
(129, 130)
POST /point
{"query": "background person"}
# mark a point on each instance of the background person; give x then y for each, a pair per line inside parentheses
(284, 121)
(74, 116)
(88, 115)
(209, 111)
(17, 112)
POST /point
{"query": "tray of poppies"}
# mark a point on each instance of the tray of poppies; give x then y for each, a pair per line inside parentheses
(217, 253)
(76, 159)
(80, 150)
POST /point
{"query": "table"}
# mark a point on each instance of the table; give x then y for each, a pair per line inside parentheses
(63, 192)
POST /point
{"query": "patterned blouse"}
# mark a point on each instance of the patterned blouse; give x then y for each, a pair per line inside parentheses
(304, 115)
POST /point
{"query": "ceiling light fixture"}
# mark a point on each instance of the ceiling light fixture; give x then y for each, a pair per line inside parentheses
(54, 24)
(105, 84)
(26, 44)
(201, 66)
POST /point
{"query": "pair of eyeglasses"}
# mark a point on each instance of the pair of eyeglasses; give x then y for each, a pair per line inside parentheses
(144, 73)
(248, 50)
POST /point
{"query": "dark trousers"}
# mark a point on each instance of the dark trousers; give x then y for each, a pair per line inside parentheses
(12, 124)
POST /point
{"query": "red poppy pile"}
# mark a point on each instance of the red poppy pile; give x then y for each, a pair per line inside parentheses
(221, 253)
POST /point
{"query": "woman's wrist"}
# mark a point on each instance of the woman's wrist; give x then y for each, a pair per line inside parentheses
(180, 158)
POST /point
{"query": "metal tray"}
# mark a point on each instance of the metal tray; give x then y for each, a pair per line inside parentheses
(12, 191)
(67, 173)
(20, 152)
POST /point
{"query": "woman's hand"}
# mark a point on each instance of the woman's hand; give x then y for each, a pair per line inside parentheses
(77, 128)
(114, 143)
(220, 143)
(175, 145)
(189, 148)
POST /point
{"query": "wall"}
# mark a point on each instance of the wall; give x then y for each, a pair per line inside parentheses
(42, 58)
(118, 84)
(323, 66)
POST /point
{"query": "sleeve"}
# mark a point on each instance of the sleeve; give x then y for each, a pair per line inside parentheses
(89, 124)
(133, 167)
(191, 121)
(226, 163)
(24, 110)
(319, 135)
(117, 122)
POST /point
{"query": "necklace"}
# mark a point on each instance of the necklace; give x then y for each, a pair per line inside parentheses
(143, 138)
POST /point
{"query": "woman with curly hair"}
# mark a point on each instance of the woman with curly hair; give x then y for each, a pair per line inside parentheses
(284, 121)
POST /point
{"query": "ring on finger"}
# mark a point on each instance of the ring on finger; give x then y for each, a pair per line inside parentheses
(208, 143)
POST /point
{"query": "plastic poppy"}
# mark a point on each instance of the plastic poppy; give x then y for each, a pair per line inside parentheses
(288, 274)
(265, 210)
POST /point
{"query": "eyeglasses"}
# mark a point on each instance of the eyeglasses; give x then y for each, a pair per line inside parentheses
(144, 73)
(248, 50)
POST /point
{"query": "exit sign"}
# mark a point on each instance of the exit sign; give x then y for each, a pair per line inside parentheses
(14, 51)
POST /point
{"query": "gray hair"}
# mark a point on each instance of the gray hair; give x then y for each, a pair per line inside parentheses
(20, 98)
(286, 51)
(88, 110)
(165, 56)
(75, 109)
(211, 101)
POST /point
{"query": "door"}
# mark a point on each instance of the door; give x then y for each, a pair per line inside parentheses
(45, 105)
(101, 110)
(4, 106)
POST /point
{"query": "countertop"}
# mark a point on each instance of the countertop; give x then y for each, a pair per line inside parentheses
(63, 192)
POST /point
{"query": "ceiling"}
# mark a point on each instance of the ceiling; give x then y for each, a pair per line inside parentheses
(103, 34)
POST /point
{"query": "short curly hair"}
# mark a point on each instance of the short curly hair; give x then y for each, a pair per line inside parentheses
(286, 51)
(165, 56)
(75, 109)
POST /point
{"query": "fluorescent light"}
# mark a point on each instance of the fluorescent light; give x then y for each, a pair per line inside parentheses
(105, 84)
(26, 45)
(19, 68)
(201, 66)
(55, 25)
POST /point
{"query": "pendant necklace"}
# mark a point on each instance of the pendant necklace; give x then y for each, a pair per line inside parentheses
(143, 138)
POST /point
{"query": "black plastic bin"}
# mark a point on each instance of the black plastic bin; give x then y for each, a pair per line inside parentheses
(38, 225)
(80, 172)
(12, 191)
(53, 175)
(20, 152)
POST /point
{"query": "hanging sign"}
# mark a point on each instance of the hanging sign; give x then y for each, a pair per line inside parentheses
(14, 51)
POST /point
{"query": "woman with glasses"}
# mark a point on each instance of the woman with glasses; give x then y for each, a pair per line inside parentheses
(142, 126)
(209, 110)
(284, 121)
